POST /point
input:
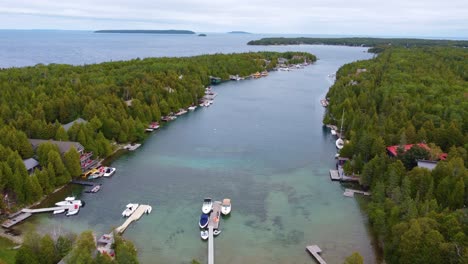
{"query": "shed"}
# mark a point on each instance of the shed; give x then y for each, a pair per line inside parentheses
(30, 164)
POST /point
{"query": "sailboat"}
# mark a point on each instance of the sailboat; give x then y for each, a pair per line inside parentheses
(340, 142)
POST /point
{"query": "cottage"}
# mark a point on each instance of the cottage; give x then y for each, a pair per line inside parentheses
(31, 164)
(77, 121)
(64, 146)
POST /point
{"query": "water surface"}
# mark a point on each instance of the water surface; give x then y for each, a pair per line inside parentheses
(261, 144)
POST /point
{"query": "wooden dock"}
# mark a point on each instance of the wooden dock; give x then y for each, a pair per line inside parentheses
(139, 212)
(315, 250)
(351, 192)
(48, 209)
(18, 218)
(210, 245)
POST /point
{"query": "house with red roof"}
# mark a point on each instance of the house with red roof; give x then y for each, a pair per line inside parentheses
(393, 150)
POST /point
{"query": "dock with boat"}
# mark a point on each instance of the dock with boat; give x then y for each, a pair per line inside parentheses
(314, 250)
(351, 192)
(139, 212)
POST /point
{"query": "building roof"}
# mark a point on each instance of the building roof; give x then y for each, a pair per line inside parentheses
(394, 149)
(63, 146)
(30, 163)
(77, 121)
(428, 164)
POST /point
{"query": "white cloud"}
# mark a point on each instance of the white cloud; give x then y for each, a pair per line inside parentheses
(363, 17)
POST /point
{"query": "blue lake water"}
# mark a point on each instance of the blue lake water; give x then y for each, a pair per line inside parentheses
(261, 144)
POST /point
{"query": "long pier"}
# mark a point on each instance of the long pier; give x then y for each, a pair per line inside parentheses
(26, 213)
(215, 218)
(139, 212)
(315, 250)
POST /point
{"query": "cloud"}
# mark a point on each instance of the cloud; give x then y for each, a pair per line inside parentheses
(363, 17)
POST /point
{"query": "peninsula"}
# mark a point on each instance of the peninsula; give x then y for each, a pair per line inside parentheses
(363, 42)
(239, 32)
(138, 31)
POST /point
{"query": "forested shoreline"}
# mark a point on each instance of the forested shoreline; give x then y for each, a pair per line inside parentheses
(403, 97)
(376, 44)
(118, 100)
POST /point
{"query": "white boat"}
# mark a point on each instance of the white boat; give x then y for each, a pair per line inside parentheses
(69, 201)
(149, 209)
(333, 132)
(129, 210)
(339, 143)
(216, 232)
(204, 234)
(109, 171)
(72, 212)
(59, 211)
(192, 108)
(226, 207)
(207, 205)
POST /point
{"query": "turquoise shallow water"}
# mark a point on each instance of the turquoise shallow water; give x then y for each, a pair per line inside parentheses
(262, 145)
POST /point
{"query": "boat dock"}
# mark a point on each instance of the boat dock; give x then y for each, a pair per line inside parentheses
(86, 183)
(131, 147)
(334, 175)
(139, 212)
(16, 219)
(338, 175)
(315, 250)
(26, 213)
(213, 224)
(351, 192)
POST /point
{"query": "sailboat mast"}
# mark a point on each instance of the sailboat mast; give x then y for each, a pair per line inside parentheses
(341, 128)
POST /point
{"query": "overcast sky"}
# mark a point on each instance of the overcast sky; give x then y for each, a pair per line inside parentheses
(349, 17)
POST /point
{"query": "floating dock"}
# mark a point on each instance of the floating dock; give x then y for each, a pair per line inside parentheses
(315, 250)
(139, 212)
(351, 192)
(334, 175)
(26, 213)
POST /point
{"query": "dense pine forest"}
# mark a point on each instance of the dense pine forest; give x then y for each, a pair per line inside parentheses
(118, 100)
(403, 97)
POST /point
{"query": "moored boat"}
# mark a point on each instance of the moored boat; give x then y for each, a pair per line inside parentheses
(72, 211)
(226, 207)
(257, 75)
(192, 108)
(333, 132)
(129, 210)
(264, 73)
(339, 143)
(59, 211)
(149, 209)
(204, 219)
(204, 234)
(95, 189)
(216, 232)
(207, 205)
(109, 171)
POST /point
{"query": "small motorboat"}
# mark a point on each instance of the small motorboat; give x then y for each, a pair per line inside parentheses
(192, 108)
(204, 234)
(60, 211)
(339, 143)
(333, 132)
(95, 189)
(204, 219)
(226, 207)
(149, 209)
(72, 212)
(129, 210)
(69, 201)
(207, 205)
(216, 232)
(109, 171)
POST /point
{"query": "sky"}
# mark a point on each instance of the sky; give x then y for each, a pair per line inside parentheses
(333, 17)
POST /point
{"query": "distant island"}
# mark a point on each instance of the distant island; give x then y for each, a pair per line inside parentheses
(238, 32)
(376, 44)
(169, 31)
(202, 35)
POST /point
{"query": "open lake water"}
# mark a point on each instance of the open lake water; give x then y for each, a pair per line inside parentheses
(261, 144)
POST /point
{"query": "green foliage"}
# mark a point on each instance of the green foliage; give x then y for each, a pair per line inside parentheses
(407, 96)
(378, 44)
(72, 162)
(355, 258)
(7, 253)
(125, 251)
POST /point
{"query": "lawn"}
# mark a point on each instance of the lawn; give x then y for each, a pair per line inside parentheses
(7, 254)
